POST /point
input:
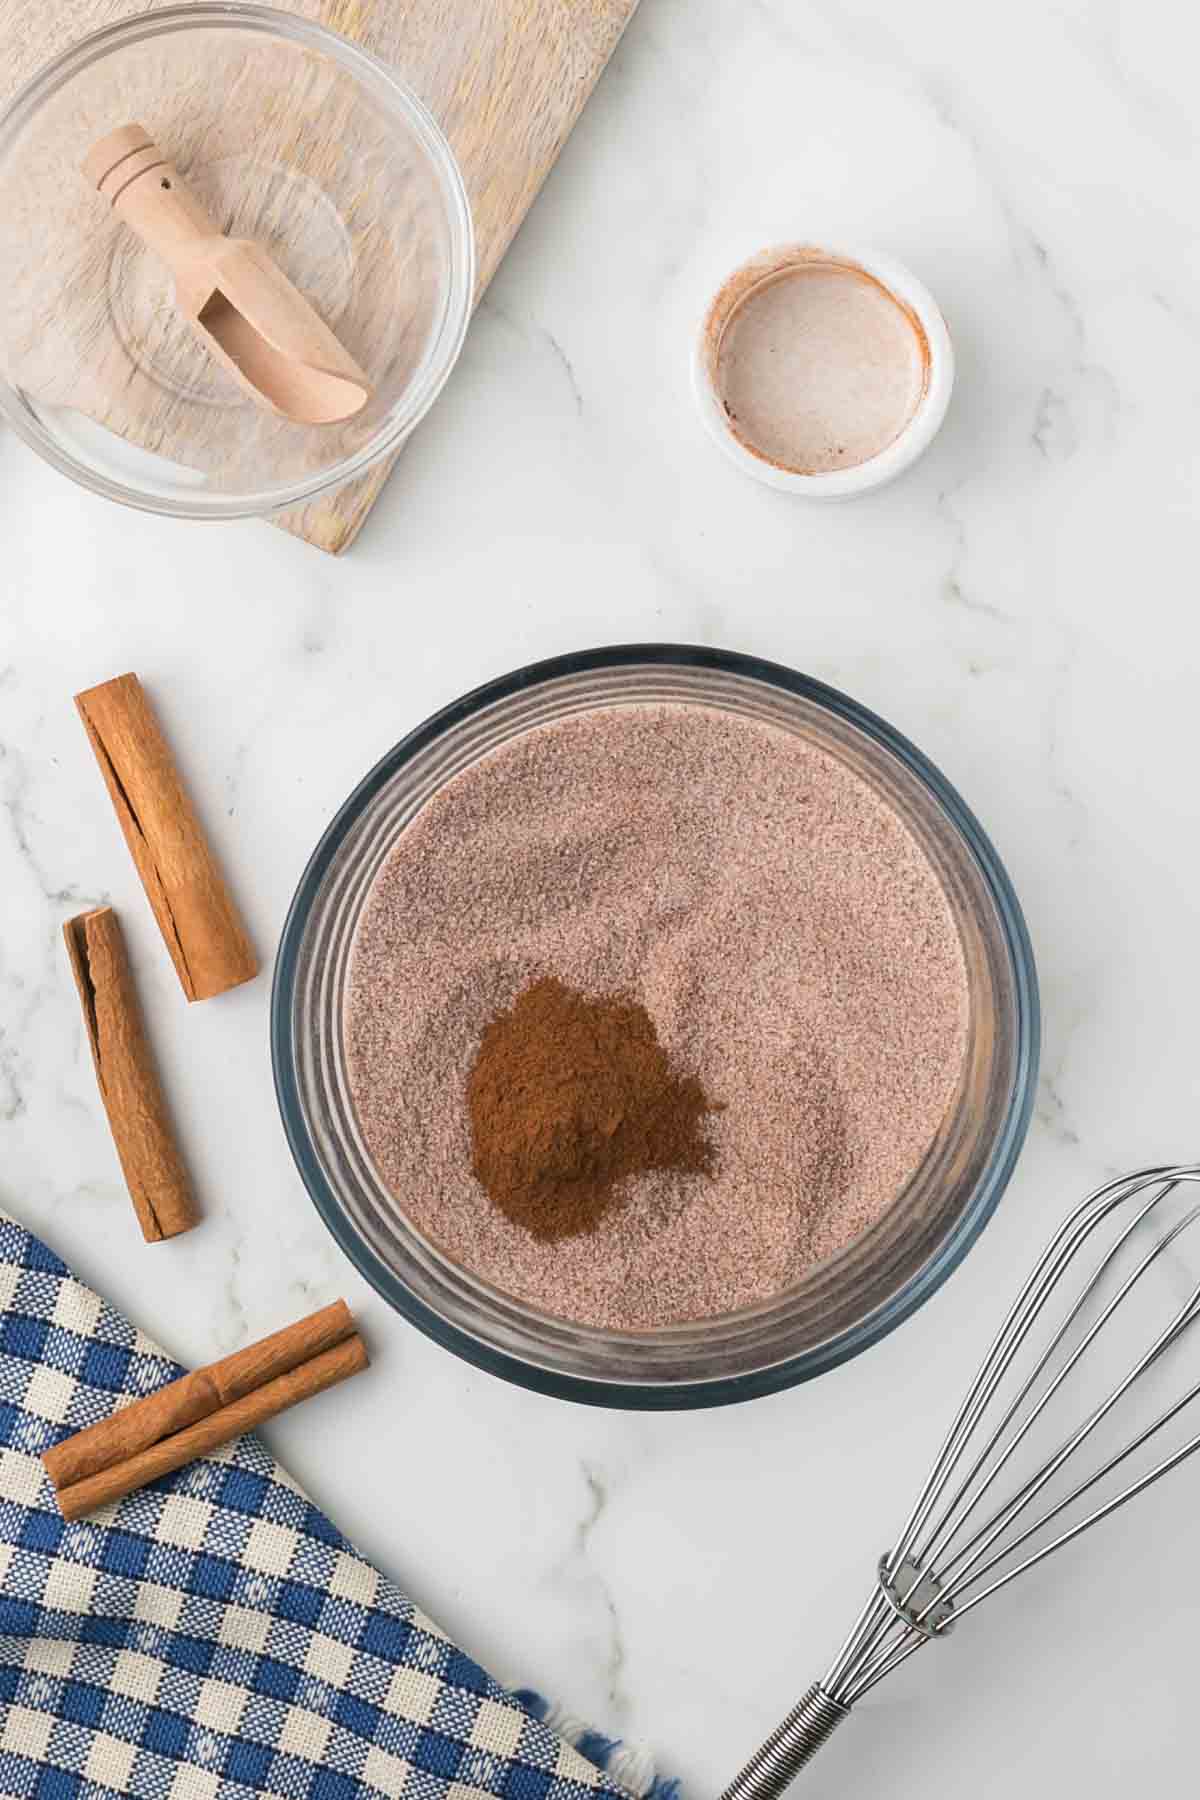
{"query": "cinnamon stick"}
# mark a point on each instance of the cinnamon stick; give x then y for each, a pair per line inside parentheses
(199, 1412)
(196, 914)
(218, 1428)
(133, 1099)
(194, 1396)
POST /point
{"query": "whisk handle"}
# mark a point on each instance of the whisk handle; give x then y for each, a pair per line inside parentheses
(776, 1763)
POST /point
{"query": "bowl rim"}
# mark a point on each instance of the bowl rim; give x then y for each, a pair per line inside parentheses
(705, 1391)
(908, 291)
(380, 80)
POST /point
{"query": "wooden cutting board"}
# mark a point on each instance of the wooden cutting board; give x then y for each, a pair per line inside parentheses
(506, 79)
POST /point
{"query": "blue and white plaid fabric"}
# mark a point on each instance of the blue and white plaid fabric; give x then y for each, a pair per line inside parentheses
(213, 1637)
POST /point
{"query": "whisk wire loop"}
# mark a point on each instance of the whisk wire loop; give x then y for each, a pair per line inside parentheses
(949, 1558)
(987, 1533)
(1061, 1250)
(955, 1507)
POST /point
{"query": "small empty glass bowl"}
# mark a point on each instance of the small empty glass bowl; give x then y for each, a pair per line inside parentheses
(840, 1306)
(290, 136)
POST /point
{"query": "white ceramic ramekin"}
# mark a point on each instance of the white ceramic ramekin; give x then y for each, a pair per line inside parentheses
(918, 434)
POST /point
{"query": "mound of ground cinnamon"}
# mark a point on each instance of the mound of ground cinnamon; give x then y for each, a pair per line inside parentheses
(568, 1097)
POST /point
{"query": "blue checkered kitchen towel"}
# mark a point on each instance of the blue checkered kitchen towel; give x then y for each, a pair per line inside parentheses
(213, 1637)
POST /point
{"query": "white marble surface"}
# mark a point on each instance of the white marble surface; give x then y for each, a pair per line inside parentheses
(1022, 605)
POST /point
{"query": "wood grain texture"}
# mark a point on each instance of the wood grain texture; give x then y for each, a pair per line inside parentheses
(125, 1074)
(506, 79)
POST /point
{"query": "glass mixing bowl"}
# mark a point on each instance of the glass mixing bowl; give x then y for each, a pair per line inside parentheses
(839, 1307)
(290, 136)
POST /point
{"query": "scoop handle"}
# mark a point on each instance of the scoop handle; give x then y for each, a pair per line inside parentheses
(145, 189)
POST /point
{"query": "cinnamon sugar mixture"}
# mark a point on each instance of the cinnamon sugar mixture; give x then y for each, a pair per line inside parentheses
(821, 368)
(783, 930)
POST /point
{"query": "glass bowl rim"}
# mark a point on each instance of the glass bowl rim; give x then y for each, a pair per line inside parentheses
(706, 1391)
(380, 80)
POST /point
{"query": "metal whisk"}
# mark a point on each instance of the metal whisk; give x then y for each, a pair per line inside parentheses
(992, 1508)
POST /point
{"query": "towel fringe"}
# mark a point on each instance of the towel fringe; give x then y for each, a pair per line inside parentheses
(632, 1765)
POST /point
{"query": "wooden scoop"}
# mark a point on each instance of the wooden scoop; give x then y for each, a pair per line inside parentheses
(240, 304)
